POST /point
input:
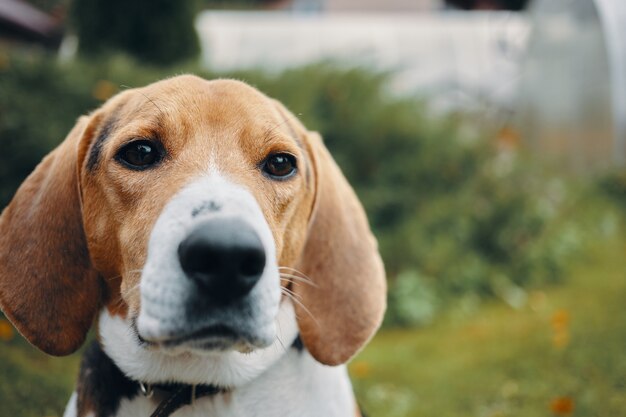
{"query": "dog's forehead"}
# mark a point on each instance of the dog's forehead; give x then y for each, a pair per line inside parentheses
(191, 86)
(216, 101)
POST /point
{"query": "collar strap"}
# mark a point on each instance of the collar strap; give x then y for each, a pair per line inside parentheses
(177, 396)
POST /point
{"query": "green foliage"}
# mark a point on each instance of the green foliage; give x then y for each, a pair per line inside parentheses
(35, 105)
(412, 300)
(455, 216)
(41, 101)
(615, 187)
(155, 31)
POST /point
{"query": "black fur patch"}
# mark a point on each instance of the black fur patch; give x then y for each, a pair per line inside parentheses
(96, 148)
(206, 207)
(297, 344)
(101, 384)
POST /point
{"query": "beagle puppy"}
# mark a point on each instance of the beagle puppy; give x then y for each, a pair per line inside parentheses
(225, 260)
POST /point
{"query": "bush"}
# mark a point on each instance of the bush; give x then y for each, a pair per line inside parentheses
(454, 215)
(40, 102)
(614, 185)
(156, 31)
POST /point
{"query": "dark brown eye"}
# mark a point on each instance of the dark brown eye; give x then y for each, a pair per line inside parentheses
(280, 165)
(139, 154)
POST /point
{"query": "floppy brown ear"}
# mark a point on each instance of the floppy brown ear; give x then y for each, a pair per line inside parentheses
(48, 288)
(347, 303)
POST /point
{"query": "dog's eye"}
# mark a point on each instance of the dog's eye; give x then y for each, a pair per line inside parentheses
(139, 154)
(280, 165)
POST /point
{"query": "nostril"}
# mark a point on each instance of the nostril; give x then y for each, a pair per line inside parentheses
(196, 257)
(252, 262)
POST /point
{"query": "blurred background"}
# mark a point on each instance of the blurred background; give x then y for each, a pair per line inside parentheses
(486, 139)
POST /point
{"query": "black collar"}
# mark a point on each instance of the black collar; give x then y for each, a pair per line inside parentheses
(175, 396)
(102, 386)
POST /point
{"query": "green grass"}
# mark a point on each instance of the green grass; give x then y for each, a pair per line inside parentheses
(33, 384)
(494, 362)
(568, 342)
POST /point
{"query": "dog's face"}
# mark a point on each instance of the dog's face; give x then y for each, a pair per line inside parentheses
(192, 210)
(216, 188)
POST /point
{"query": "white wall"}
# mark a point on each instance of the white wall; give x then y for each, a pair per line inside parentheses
(458, 58)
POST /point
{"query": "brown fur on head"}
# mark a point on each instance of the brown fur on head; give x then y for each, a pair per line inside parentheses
(75, 235)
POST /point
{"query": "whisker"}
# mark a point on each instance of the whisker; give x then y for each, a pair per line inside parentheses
(294, 275)
(280, 331)
(119, 302)
(292, 293)
(132, 271)
(290, 297)
(290, 277)
(120, 299)
(113, 278)
(134, 288)
(292, 269)
(301, 304)
(124, 293)
(296, 272)
(281, 343)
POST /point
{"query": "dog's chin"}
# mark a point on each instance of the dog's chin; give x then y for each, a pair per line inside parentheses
(213, 339)
(208, 340)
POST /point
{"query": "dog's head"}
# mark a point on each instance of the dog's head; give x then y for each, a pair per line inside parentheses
(192, 209)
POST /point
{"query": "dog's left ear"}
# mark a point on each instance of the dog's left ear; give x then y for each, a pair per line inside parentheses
(48, 288)
(345, 306)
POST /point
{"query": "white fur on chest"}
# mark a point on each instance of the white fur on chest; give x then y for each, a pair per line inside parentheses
(296, 386)
(277, 381)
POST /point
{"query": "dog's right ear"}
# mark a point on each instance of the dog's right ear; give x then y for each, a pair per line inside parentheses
(48, 288)
(343, 309)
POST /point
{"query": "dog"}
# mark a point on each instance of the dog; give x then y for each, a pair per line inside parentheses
(224, 261)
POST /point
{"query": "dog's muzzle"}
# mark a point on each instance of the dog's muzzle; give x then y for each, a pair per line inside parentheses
(211, 279)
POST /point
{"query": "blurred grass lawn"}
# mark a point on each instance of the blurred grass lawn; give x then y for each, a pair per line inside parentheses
(563, 354)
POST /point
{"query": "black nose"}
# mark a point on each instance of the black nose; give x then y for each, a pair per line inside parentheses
(225, 257)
